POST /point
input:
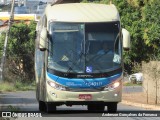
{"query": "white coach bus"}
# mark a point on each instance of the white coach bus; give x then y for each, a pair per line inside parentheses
(78, 56)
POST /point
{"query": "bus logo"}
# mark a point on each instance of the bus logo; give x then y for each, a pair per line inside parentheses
(89, 69)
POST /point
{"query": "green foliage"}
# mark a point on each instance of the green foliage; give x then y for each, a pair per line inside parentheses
(151, 34)
(13, 109)
(7, 87)
(2, 38)
(132, 84)
(16, 86)
(21, 40)
(20, 52)
(19, 86)
(86, 1)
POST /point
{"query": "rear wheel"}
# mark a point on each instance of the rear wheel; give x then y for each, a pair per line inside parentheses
(112, 107)
(95, 108)
(50, 107)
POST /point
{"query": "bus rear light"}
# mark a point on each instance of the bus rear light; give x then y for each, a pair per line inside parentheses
(112, 86)
(56, 86)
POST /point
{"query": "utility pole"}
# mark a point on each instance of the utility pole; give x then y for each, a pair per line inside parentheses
(5, 43)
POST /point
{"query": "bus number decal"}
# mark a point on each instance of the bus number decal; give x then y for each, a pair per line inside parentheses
(93, 83)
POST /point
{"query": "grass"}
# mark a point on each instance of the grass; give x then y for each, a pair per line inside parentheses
(24, 86)
(7, 87)
(17, 86)
(131, 84)
(12, 108)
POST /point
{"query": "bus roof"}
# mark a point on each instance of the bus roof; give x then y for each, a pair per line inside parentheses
(82, 12)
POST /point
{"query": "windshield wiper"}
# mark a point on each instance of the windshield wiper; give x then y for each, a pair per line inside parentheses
(75, 63)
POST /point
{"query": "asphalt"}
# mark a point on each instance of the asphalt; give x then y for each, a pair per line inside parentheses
(126, 90)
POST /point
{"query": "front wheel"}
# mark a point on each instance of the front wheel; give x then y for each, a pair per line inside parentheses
(50, 107)
(112, 107)
(96, 108)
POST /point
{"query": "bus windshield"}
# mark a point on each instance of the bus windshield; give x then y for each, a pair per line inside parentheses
(84, 48)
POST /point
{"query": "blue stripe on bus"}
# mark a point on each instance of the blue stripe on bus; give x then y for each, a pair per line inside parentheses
(84, 83)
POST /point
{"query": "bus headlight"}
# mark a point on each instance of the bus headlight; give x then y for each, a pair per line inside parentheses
(112, 86)
(56, 86)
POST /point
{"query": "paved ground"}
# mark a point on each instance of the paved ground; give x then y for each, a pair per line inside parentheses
(26, 101)
(132, 96)
(133, 100)
(135, 96)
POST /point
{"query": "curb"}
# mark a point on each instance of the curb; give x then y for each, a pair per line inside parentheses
(145, 106)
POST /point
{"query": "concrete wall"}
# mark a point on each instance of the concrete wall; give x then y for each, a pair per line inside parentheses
(151, 83)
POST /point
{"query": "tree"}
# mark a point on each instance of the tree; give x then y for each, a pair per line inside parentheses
(151, 32)
(2, 38)
(20, 51)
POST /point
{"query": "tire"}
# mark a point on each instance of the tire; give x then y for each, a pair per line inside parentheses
(112, 108)
(42, 106)
(95, 108)
(50, 107)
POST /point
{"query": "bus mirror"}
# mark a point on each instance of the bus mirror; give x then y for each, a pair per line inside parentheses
(126, 39)
(43, 39)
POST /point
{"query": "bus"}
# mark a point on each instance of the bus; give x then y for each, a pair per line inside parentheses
(68, 67)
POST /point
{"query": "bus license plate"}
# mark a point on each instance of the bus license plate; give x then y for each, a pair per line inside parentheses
(85, 96)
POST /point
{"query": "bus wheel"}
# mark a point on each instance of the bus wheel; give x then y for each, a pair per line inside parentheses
(112, 108)
(95, 107)
(41, 106)
(50, 107)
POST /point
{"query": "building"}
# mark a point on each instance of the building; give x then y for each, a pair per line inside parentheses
(3, 2)
(27, 6)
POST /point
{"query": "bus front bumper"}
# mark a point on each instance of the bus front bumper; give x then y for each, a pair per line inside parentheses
(53, 95)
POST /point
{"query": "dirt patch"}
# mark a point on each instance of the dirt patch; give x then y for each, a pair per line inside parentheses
(139, 97)
(151, 80)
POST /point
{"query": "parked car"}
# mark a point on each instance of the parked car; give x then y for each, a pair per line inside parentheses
(137, 77)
